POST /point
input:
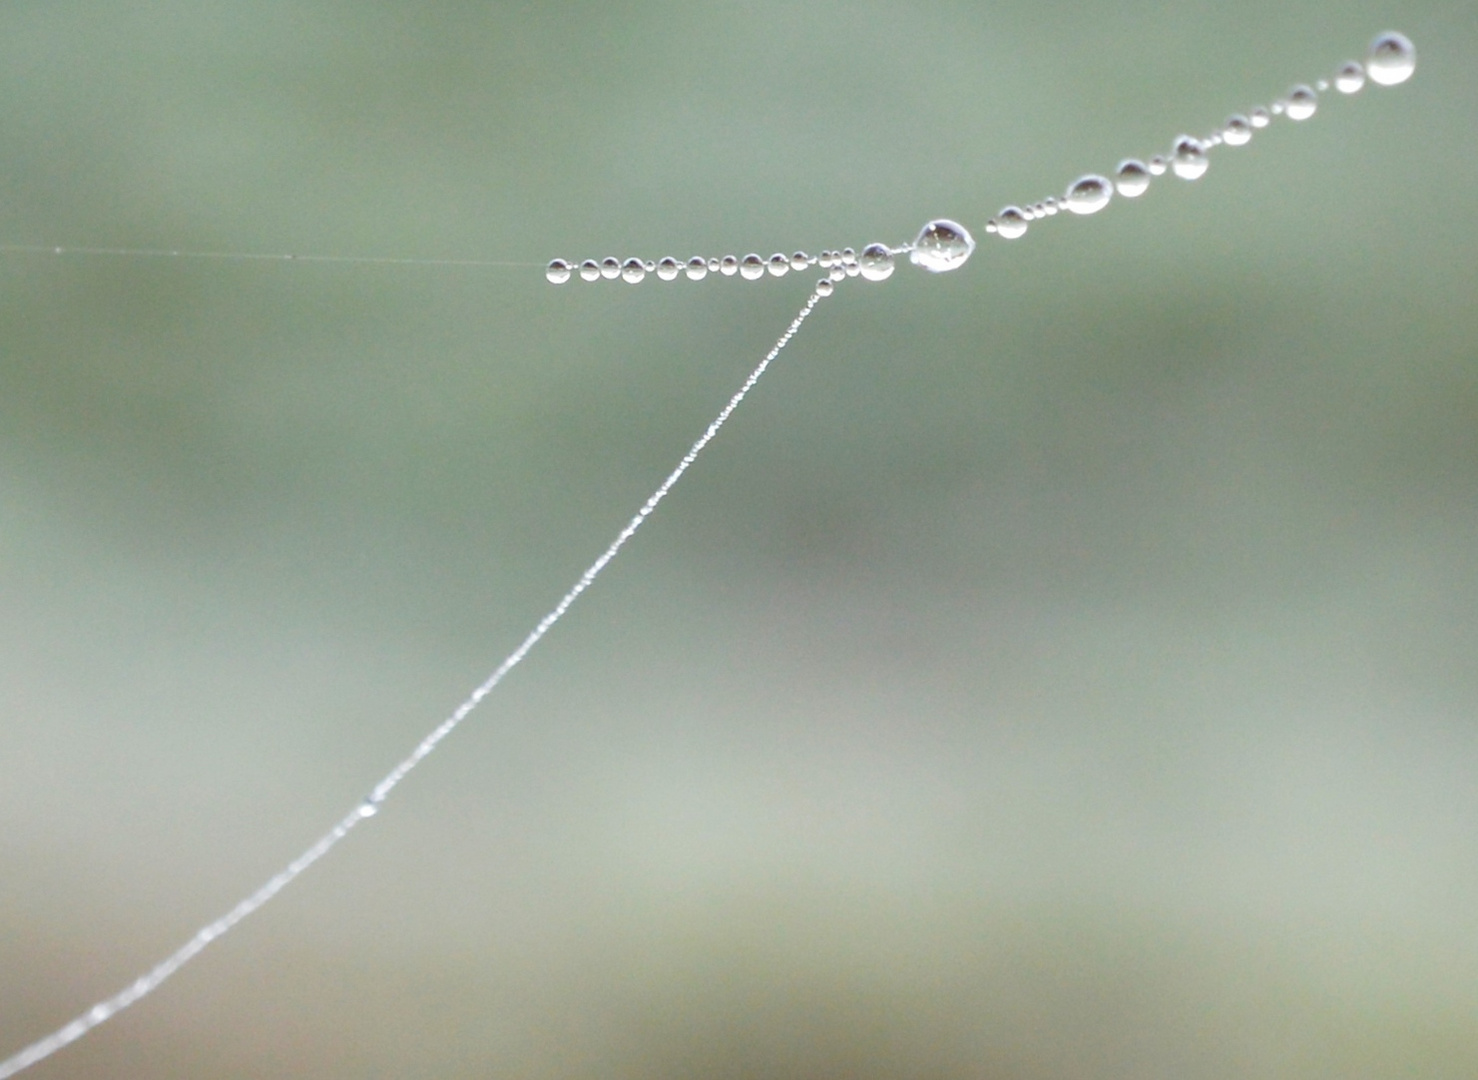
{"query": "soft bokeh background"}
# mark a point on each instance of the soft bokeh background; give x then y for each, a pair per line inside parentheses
(1064, 668)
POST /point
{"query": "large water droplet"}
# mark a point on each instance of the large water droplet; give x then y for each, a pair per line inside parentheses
(1088, 194)
(728, 266)
(1349, 78)
(779, 265)
(633, 270)
(697, 268)
(799, 260)
(1011, 223)
(875, 263)
(824, 287)
(610, 268)
(1132, 178)
(668, 268)
(558, 272)
(941, 245)
(752, 267)
(1189, 158)
(1302, 102)
(1391, 60)
(1238, 130)
(589, 270)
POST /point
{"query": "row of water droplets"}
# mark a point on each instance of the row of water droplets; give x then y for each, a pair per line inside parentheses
(1390, 60)
(944, 245)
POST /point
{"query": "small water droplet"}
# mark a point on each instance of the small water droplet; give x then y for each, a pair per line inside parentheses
(1051, 205)
(714, 264)
(799, 260)
(589, 270)
(752, 267)
(728, 266)
(779, 265)
(941, 245)
(1189, 161)
(991, 228)
(1350, 78)
(610, 268)
(875, 263)
(1302, 102)
(1011, 223)
(368, 808)
(1238, 130)
(1321, 85)
(633, 270)
(824, 287)
(1260, 117)
(558, 272)
(1132, 178)
(838, 271)
(1277, 108)
(1158, 164)
(697, 268)
(1391, 60)
(1088, 194)
(668, 268)
(648, 265)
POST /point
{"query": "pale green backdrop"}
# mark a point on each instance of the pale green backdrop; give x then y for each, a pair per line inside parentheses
(1064, 668)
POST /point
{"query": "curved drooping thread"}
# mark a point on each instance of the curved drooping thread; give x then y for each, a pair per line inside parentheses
(150, 981)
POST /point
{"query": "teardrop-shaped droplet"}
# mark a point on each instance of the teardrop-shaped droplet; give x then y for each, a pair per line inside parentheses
(558, 272)
(1189, 158)
(752, 267)
(633, 270)
(1088, 194)
(1132, 178)
(1391, 60)
(1238, 130)
(697, 268)
(589, 270)
(668, 268)
(1011, 223)
(941, 245)
(875, 263)
(778, 265)
(1350, 77)
(610, 268)
(1302, 102)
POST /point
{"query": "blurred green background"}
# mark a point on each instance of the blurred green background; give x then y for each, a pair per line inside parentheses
(1063, 668)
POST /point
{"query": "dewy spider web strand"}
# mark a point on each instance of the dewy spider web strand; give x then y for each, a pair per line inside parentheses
(145, 984)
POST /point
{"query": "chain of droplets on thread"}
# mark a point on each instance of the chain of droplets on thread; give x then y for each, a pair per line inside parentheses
(944, 245)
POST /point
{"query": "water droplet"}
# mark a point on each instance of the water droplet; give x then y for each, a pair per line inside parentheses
(1088, 194)
(714, 264)
(728, 266)
(1260, 117)
(368, 808)
(779, 265)
(875, 263)
(1158, 164)
(668, 268)
(1011, 223)
(589, 270)
(648, 265)
(697, 268)
(800, 260)
(849, 257)
(1132, 178)
(941, 245)
(558, 272)
(1350, 77)
(824, 287)
(838, 271)
(1238, 131)
(1391, 60)
(610, 269)
(1302, 102)
(1189, 160)
(1322, 85)
(751, 267)
(633, 270)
